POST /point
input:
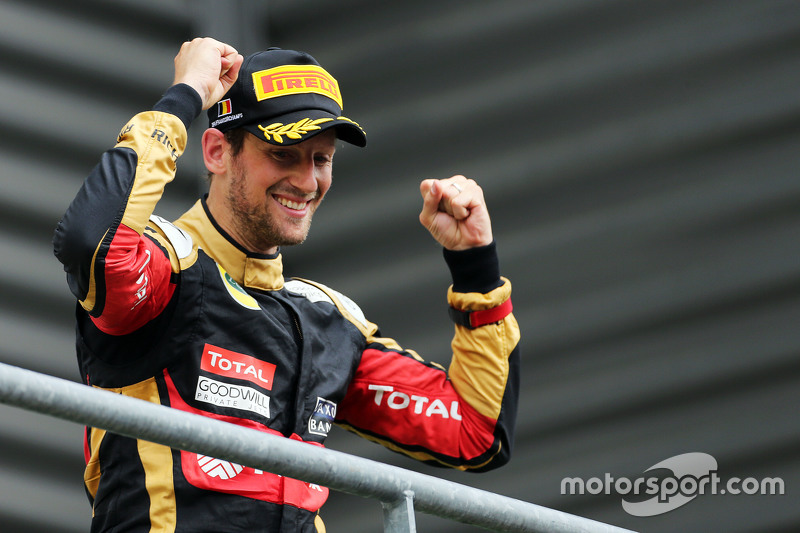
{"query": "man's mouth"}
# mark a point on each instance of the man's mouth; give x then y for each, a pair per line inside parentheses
(297, 206)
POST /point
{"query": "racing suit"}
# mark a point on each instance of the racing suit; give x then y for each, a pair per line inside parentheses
(181, 315)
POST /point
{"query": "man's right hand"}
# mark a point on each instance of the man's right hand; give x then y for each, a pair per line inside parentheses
(209, 67)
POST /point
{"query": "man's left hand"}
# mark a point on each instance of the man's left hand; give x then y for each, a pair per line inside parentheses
(454, 212)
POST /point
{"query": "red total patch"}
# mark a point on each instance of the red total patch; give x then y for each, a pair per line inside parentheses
(232, 364)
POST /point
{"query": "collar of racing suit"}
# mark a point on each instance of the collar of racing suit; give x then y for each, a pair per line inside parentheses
(257, 271)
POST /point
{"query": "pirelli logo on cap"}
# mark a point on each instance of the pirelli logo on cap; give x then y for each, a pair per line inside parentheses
(295, 79)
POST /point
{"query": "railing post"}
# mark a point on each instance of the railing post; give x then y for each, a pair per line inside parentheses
(398, 516)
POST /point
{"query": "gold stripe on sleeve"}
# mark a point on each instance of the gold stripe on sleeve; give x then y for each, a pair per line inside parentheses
(479, 369)
(158, 140)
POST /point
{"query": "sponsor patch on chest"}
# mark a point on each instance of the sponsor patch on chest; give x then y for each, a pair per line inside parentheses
(236, 291)
(230, 364)
(237, 365)
(230, 395)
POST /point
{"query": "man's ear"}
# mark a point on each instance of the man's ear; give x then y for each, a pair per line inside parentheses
(215, 150)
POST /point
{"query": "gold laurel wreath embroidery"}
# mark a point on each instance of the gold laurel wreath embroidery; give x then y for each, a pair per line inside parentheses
(351, 121)
(293, 130)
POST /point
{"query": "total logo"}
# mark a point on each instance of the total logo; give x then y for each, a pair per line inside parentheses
(237, 365)
(230, 364)
(418, 404)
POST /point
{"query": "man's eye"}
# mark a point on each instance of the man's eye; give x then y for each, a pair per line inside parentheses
(280, 154)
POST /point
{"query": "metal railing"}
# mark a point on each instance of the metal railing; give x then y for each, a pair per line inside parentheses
(399, 491)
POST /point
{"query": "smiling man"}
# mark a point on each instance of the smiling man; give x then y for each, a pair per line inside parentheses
(270, 192)
(196, 315)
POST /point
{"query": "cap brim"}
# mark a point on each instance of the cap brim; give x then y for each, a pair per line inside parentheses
(296, 127)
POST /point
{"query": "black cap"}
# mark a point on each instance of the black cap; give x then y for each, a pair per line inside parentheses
(284, 97)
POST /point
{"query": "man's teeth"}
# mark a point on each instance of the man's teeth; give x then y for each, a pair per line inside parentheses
(292, 205)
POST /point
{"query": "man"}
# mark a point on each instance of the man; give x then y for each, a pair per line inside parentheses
(196, 315)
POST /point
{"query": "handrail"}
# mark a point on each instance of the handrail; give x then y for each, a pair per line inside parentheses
(399, 490)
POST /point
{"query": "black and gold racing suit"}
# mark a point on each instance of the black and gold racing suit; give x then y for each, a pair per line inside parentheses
(179, 314)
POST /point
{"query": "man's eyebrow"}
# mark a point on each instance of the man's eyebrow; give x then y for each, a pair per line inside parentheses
(274, 147)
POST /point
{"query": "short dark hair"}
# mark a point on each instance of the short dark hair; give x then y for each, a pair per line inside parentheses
(235, 138)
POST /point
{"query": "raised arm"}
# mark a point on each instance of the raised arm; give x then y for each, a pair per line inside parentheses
(119, 272)
(464, 416)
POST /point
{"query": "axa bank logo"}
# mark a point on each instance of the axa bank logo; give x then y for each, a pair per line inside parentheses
(670, 484)
(321, 420)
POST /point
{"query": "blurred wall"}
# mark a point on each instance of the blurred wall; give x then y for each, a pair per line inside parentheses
(639, 158)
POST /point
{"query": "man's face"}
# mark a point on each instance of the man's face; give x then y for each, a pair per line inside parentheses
(273, 191)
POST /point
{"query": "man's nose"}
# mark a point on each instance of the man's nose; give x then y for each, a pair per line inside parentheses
(304, 176)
